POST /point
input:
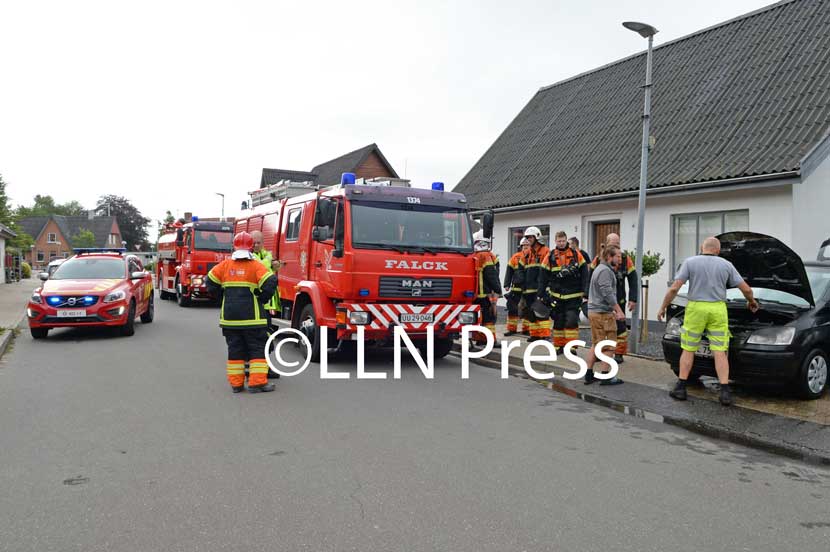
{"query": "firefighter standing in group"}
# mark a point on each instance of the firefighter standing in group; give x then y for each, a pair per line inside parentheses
(624, 271)
(273, 306)
(488, 287)
(564, 281)
(244, 284)
(531, 264)
(513, 284)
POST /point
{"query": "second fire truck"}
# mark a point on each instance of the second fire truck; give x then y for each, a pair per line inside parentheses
(187, 251)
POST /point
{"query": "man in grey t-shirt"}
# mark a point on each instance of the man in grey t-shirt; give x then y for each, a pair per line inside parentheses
(709, 277)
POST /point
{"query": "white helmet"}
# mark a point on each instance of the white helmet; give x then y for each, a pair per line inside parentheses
(482, 245)
(535, 232)
(524, 242)
(478, 236)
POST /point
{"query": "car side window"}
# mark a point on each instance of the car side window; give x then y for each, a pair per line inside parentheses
(134, 266)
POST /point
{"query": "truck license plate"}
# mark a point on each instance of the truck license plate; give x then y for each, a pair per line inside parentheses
(703, 350)
(406, 318)
(71, 313)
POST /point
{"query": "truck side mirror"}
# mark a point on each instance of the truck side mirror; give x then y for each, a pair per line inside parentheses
(320, 233)
(487, 222)
(43, 276)
(179, 238)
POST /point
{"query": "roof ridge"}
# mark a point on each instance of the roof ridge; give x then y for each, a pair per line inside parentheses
(742, 17)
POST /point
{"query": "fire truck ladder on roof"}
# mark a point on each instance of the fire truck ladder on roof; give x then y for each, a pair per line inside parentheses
(281, 190)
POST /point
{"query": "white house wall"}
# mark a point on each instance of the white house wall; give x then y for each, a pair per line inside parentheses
(811, 199)
(770, 212)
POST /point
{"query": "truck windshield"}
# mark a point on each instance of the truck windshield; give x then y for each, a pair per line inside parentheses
(90, 268)
(213, 240)
(377, 224)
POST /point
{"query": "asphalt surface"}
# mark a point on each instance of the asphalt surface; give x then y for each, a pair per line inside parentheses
(112, 443)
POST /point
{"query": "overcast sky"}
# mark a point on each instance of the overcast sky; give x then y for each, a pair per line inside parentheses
(167, 103)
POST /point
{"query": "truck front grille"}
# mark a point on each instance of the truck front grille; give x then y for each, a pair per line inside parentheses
(394, 286)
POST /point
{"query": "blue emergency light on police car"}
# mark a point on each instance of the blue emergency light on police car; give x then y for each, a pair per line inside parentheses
(347, 178)
(438, 186)
(194, 219)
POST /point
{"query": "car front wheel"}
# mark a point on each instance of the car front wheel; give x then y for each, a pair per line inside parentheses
(148, 315)
(812, 379)
(39, 333)
(128, 328)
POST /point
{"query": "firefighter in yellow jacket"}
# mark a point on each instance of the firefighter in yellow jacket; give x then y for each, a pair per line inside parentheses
(488, 287)
(531, 265)
(244, 284)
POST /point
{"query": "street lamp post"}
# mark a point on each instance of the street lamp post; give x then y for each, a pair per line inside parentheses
(223, 204)
(646, 31)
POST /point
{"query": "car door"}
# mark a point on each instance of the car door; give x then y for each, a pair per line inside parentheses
(137, 286)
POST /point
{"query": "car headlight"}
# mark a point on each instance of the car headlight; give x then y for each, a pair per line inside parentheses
(359, 318)
(115, 296)
(196, 280)
(673, 326)
(467, 317)
(36, 298)
(772, 336)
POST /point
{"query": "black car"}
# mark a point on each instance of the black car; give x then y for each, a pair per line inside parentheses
(787, 342)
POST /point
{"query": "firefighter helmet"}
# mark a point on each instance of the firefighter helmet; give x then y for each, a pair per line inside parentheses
(243, 240)
(535, 232)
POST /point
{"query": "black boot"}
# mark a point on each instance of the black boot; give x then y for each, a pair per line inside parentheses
(589, 377)
(264, 388)
(272, 374)
(679, 391)
(619, 359)
(725, 395)
(239, 389)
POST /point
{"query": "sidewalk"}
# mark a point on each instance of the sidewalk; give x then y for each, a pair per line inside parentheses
(13, 299)
(774, 422)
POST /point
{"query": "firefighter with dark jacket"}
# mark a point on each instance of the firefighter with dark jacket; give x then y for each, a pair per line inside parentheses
(244, 285)
(564, 281)
(531, 265)
(488, 287)
(624, 271)
(513, 284)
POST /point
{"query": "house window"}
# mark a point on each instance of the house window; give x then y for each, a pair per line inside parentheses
(40, 256)
(516, 234)
(113, 239)
(52, 256)
(292, 231)
(65, 255)
(52, 238)
(689, 230)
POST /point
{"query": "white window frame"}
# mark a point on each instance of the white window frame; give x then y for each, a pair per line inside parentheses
(51, 237)
(674, 219)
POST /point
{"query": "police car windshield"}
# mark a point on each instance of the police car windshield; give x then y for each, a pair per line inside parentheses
(90, 268)
(422, 227)
(214, 240)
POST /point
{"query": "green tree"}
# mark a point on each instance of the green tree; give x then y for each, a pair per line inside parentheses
(45, 205)
(5, 207)
(9, 218)
(132, 223)
(84, 238)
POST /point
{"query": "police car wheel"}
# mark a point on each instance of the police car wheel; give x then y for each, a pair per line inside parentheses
(128, 328)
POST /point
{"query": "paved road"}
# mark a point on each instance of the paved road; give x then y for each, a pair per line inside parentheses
(137, 444)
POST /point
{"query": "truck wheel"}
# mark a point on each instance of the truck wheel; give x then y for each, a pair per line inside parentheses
(128, 328)
(181, 299)
(308, 326)
(39, 333)
(148, 315)
(442, 347)
(812, 378)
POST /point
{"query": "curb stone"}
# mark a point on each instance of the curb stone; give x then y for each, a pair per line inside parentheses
(781, 447)
(9, 334)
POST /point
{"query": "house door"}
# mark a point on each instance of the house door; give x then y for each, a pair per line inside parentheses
(601, 230)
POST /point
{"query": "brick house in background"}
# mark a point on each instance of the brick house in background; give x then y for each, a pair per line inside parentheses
(53, 236)
(366, 162)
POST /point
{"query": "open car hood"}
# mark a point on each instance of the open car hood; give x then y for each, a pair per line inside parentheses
(765, 262)
(824, 251)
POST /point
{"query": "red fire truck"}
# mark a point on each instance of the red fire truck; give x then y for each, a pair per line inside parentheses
(374, 253)
(187, 251)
